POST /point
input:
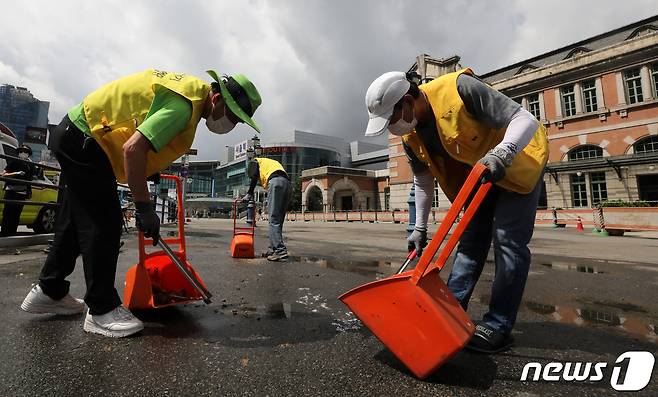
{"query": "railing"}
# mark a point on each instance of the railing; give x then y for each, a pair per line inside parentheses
(620, 218)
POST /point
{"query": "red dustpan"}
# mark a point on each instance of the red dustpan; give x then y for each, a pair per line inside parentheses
(242, 245)
(164, 278)
(413, 313)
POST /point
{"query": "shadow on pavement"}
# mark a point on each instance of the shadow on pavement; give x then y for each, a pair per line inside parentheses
(474, 371)
(244, 329)
(551, 336)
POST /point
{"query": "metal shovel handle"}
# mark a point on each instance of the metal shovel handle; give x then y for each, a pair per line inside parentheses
(412, 255)
(183, 269)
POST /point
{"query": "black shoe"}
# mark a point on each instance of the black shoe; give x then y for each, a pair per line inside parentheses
(266, 254)
(488, 340)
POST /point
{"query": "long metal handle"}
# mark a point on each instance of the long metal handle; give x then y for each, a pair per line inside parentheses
(472, 181)
(183, 269)
(412, 255)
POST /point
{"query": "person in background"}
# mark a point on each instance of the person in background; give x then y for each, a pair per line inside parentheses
(11, 213)
(275, 179)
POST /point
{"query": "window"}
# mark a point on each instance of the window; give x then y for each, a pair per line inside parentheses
(9, 150)
(646, 145)
(568, 101)
(589, 95)
(387, 198)
(633, 85)
(598, 187)
(585, 152)
(533, 105)
(578, 190)
(654, 79)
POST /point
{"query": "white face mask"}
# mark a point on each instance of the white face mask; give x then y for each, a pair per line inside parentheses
(221, 125)
(23, 155)
(402, 127)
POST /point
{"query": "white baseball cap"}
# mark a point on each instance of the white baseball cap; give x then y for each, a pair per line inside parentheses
(381, 97)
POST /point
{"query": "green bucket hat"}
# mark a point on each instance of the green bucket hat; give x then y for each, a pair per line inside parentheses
(240, 95)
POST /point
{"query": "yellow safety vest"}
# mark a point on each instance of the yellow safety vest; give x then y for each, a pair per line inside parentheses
(115, 111)
(266, 167)
(466, 140)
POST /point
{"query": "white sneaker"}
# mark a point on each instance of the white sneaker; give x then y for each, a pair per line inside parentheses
(117, 323)
(37, 302)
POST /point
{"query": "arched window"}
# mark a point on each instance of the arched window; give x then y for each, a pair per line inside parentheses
(585, 152)
(647, 145)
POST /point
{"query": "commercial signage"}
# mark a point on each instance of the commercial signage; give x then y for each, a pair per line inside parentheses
(280, 149)
(240, 150)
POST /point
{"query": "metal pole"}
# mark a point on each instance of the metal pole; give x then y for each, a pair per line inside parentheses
(184, 169)
(412, 210)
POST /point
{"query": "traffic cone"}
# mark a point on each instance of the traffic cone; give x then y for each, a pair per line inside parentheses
(579, 226)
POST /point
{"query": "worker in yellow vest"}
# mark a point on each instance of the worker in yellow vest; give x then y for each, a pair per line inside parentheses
(275, 179)
(125, 131)
(447, 125)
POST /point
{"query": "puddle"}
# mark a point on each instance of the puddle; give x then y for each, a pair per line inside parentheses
(569, 266)
(270, 311)
(379, 268)
(195, 234)
(583, 316)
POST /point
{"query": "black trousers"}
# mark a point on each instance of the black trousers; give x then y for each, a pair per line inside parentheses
(11, 213)
(88, 223)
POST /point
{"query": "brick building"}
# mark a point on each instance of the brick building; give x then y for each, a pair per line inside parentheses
(598, 99)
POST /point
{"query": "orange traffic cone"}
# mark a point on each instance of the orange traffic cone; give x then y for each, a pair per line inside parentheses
(579, 226)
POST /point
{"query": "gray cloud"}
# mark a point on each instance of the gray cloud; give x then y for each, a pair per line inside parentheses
(311, 60)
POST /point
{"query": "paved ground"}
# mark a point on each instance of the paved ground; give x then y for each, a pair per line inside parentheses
(278, 329)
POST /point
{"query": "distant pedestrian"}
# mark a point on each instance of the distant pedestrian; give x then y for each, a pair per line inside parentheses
(275, 179)
(19, 170)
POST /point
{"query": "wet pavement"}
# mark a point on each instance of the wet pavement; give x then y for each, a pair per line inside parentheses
(278, 328)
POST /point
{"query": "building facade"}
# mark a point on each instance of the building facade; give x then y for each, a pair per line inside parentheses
(199, 177)
(26, 116)
(297, 152)
(343, 189)
(598, 99)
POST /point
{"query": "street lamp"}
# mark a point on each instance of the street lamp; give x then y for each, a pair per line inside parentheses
(254, 143)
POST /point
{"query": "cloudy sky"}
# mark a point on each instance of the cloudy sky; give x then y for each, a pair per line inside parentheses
(311, 60)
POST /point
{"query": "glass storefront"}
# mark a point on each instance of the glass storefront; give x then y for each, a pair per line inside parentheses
(296, 159)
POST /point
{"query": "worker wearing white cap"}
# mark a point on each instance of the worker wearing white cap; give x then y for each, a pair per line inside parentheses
(448, 125)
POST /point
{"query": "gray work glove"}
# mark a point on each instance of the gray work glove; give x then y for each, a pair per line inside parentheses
(417, 240)
(247, 198)
(147, 220)
(496, 168)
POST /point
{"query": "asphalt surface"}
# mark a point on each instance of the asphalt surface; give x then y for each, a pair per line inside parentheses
(278, 329)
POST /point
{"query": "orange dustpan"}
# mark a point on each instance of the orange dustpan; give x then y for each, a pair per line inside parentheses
(164, 278)
(413, 313)
(242, 244)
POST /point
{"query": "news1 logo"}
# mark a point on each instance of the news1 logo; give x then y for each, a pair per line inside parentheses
(631, 372)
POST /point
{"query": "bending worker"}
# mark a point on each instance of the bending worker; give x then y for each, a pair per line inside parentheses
(11, 212)
(125, 131)
(273, 177)
(448, 125)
